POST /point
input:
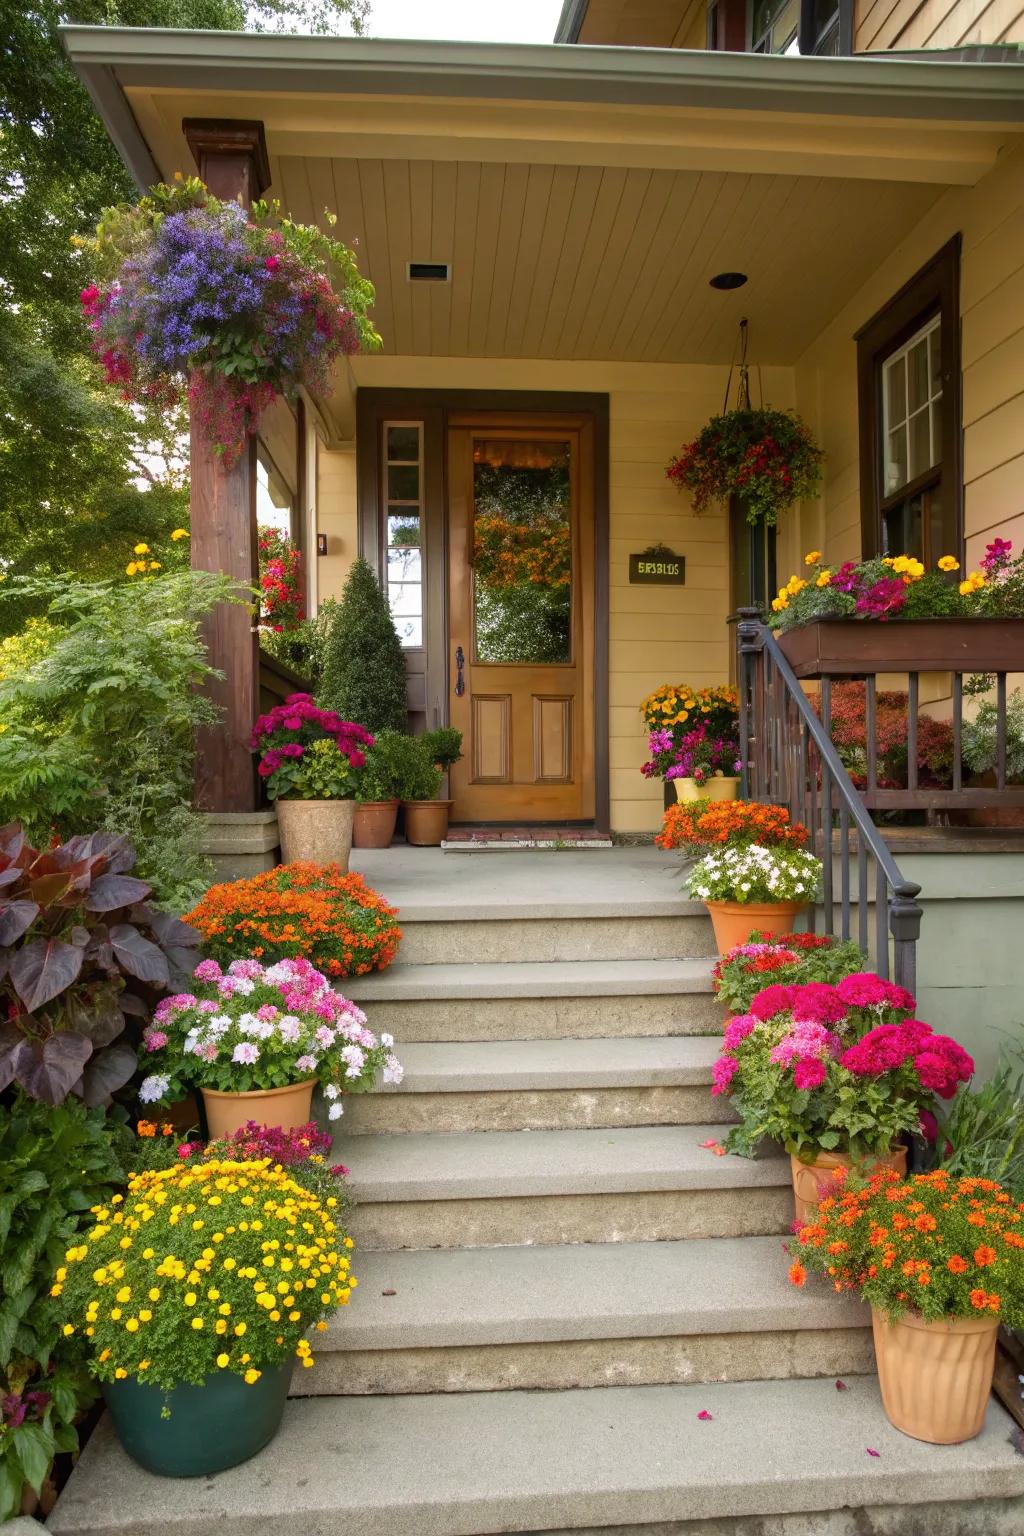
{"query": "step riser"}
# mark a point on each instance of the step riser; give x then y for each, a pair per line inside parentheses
(433, 1020)
(590, 1363)
(458, 942)
(648, 1216)
(531, 1110)
(979, 1517)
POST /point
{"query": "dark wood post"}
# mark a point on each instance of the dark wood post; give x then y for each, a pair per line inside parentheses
(232, 160)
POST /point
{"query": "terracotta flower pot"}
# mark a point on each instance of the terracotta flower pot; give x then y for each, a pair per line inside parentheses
(316, 831)
(426, 822)
(287, 1107)
(810, 1178)
(935, 1378)
(735, 921)
(374, 825)
(715, 788)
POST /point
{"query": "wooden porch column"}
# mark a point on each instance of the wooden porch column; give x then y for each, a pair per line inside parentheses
(232, 160)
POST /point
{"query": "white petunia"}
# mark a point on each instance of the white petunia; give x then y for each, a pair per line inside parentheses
(335, 1112)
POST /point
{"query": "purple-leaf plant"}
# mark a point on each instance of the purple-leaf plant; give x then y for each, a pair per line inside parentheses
(81, 950)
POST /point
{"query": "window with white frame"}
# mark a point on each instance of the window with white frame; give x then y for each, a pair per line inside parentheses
(911, 408)
(402, 475)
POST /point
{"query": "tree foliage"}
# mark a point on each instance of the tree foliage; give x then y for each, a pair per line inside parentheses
(80, 470)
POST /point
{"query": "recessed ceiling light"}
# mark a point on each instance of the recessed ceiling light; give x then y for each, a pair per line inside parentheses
(726, 281)
(429, 272)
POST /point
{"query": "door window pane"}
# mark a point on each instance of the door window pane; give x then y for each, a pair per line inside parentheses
(403, 481)
(522, 551)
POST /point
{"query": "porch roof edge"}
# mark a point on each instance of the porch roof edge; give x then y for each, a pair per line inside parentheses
(110, 58)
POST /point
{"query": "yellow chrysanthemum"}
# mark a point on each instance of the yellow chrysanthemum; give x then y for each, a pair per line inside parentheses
(824, 577)
(179, 533)
(812, 557)
(949, 563)
(141, 549)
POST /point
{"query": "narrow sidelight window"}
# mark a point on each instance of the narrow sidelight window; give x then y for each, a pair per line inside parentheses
(402, 477)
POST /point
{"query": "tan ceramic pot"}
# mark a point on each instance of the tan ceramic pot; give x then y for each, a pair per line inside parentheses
(287, 1107)
(716, 788)
(374, 825)
(735, 921)
(935, 1378)
(317, 831)
(810, 1178)
(426, 822)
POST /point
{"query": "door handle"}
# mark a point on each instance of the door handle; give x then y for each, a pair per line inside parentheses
(460, 663)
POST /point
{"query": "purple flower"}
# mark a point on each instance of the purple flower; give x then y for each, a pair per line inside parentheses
(996, 557)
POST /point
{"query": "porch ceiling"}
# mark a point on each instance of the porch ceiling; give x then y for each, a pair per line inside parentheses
(583, 204)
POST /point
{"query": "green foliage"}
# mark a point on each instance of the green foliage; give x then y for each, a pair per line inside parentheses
(20, 651)
(70, 449)
(100, 730)
(417, 775)
(321, 773)
(54, 1165)
(364, 666)
(979, 737)
(983, 1135)
(443, 745)
(303, 648)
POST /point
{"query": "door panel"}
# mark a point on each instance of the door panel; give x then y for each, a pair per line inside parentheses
(521, 606)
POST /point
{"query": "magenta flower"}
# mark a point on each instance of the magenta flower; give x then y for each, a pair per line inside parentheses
(722, 1073)
(809, 1073)
(771, 1001)
(737, 1029)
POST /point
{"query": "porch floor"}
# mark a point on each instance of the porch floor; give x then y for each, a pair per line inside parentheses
(426, 883)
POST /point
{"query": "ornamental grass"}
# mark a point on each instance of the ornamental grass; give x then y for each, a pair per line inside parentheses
(932, 1244)
(317, 911)
(698, 825)
(210, 1266)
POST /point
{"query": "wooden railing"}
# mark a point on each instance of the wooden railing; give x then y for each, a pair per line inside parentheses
(277, 681)
(789, 759)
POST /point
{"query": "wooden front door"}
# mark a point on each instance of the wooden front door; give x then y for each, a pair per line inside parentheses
(521, 616)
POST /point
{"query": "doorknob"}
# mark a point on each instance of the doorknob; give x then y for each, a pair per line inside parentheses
(460, 662)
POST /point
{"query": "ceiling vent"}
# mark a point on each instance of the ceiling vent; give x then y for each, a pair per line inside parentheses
(429, 272)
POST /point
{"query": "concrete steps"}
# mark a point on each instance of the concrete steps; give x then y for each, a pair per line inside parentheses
(469, 1464)
(539, 1085)
(468, 1190)
(601, 1314)
(490, 937)
(539, 1000)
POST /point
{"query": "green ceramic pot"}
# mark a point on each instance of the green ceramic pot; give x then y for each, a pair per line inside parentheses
(211, 1427)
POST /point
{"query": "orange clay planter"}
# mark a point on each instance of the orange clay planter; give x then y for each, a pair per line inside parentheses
(735, 921)
(810, 1179)
(374, 823)
(288, 1107)
(935, 1377)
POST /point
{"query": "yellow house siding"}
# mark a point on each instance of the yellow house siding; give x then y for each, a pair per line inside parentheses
(990, 218)
(336, 517)
(883, 24)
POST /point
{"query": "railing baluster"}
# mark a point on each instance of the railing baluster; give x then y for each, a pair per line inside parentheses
(844, 867)
(881, 922)
(826, 848)
(958, 725)
(862, 894)
(914, 688)
(1000, 730)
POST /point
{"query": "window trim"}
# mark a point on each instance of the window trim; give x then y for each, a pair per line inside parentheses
(806, 32)
(934, 290)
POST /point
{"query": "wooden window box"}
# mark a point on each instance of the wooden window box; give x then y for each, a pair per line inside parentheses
(860, 647)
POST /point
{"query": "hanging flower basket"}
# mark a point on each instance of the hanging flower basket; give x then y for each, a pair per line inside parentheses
(237, 308)
(767, 458)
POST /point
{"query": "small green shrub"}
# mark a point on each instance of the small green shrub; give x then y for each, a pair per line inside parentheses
(444, 745)
(980, 749)
(400, 767)
(364, 665)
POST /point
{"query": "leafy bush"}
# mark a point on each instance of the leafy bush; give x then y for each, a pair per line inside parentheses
(443, 745)
(303, 647)
(268, 1027)
(54, 1165)
(792, 959)
(100, 729)
(850, 734)
(76, 937)
(364, 665)
(416, 775)
(932, 1244)
(979, 738)
(983, 1135)
(381, 778)
(178, 1310)
(318, 911)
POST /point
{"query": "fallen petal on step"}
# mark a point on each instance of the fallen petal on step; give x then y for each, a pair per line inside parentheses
(871, 1452)
(389, 1293)
(704, 1416)
(841, 1386)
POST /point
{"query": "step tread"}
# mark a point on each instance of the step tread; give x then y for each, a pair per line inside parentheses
(476, 1165)
(538, 978)
(514, 1065)
(436, 1298)
(464, 1464)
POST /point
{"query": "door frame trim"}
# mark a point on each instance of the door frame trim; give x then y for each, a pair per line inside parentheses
(433, 407)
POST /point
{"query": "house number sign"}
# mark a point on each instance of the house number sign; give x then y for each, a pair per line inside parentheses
(657, 568)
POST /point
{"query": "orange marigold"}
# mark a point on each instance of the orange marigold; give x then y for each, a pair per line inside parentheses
(984, 1256)
(956, 1265)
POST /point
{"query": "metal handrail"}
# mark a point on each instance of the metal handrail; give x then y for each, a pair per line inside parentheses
(788, 758)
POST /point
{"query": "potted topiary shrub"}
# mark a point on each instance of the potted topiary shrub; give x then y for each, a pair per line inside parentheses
(194, 1341)
(379, 791)
(364, 664)
(444, 744)
(311, 760)
(255, 1040)
(426, 816)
